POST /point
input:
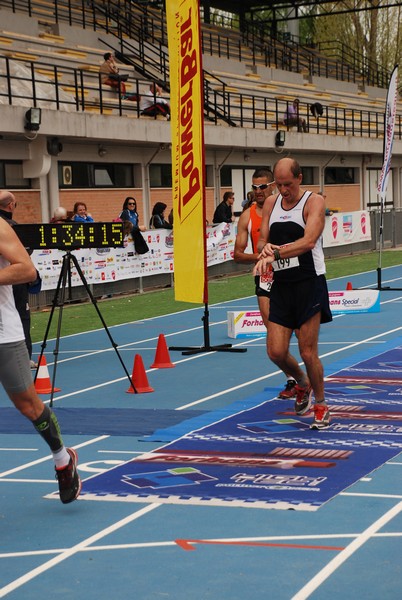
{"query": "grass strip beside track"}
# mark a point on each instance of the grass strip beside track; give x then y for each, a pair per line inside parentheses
(125, 309)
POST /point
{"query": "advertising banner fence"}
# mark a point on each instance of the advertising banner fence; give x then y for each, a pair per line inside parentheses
(101, 265)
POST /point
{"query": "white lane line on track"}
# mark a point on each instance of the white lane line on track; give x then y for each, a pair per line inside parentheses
(49, 457)
(371, 495)
(136, 345)
(237, 387)
(112, 381)
(225, 304)
(69, 552)
(344, 555)
(226, 391)
(19, 449)
(173, 543)
(51, 481)
(129, 345)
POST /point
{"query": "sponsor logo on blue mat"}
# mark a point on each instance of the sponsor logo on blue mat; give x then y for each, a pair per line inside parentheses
(168, 478)
(279, 425)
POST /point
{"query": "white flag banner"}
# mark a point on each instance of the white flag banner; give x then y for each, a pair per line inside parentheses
(390, 116)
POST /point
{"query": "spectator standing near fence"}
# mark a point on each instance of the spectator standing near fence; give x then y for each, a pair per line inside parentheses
(291, 240)
(223, 212)
(157, 220)
(129, 213)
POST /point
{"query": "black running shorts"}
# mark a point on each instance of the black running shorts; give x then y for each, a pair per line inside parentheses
(262, 288)
(294, 303)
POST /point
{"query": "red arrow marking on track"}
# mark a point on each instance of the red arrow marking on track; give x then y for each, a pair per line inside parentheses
(189, 545)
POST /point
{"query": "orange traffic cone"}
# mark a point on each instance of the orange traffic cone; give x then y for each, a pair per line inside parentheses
(139, 378)
(349, 286)
(162, 358)
(43, 384)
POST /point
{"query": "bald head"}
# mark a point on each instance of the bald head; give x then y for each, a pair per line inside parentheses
(288, 164)
(288, 177)
(7, 199)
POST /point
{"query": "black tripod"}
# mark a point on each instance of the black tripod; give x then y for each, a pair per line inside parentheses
(207, 345)
(59, 301)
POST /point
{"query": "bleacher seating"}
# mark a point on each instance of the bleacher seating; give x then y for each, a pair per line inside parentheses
(255, 98)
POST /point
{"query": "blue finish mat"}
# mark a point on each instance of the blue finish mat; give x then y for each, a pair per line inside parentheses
(266, 456)
(100, 421)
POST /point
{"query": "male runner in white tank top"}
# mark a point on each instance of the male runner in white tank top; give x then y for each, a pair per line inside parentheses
(291, 240)
(248, 226)
(15, 372)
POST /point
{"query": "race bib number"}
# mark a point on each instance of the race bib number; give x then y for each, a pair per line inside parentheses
(285, 263)
(266, 279)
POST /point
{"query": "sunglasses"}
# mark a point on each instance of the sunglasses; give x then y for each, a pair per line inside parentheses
(262, 186)
(131, 203)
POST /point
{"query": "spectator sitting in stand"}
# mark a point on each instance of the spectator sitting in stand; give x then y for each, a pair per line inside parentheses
(110, 76)
(129, 213)
(158, 220)
(59, 215)
(80, 213)
(223, 212)
(152, 104)
(292, 118)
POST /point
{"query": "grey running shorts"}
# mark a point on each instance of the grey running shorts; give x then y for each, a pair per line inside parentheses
(15, 371)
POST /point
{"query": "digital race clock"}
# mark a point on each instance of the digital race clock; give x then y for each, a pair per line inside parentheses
(70, 236)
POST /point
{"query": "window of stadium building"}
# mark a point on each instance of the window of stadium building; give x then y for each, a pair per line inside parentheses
(160, 176)
(340, 175)
(226, 176)
(308, 175)
(93, 175)
(11, 175)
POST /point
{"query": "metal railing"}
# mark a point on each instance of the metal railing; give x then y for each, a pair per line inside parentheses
(63, 88)
(74, 89)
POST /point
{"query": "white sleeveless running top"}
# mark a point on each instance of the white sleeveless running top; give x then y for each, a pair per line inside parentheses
(10, 322)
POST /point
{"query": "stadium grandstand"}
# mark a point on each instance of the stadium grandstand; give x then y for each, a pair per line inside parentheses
(93, 144)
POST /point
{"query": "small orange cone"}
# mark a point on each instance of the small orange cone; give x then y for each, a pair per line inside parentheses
(43, 384)
(139, 378)
(162, 358)
(349, 286)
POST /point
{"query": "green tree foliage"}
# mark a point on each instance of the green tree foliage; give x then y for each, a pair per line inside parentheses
(373, 34)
